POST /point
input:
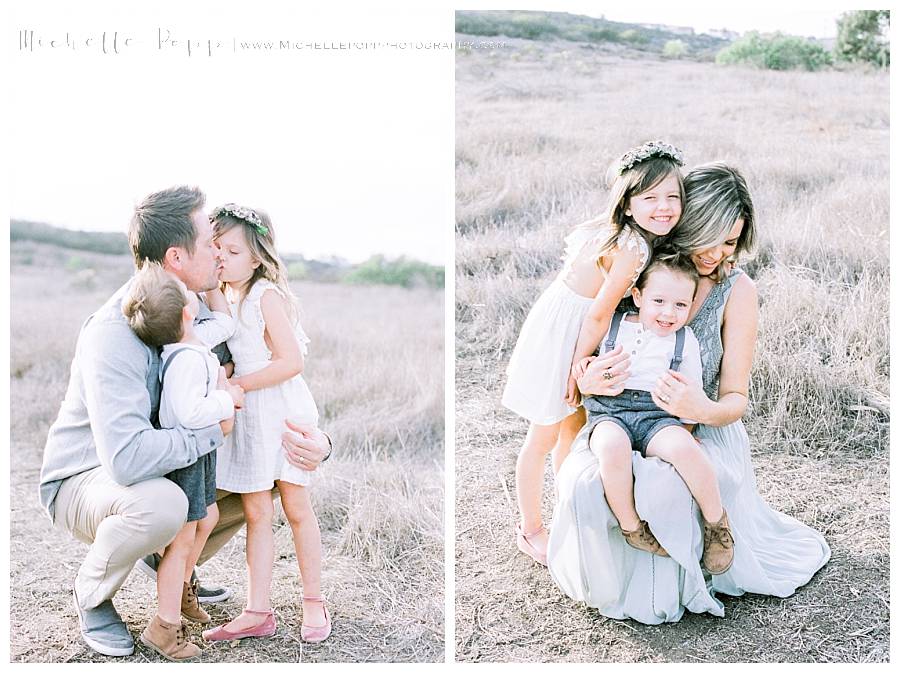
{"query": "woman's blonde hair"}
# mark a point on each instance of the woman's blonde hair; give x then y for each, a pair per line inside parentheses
(716, 197)
(623, 185)
(260, 237)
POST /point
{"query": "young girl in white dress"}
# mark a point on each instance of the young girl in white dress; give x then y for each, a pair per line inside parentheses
(268, 348)
(602, 261)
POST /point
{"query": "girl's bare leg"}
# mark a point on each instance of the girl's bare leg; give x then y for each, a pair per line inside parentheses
(677, 446)
(530, 479)
(567, 431)
(170, 573)
(308, 546)
(258, 510)
(612, 446)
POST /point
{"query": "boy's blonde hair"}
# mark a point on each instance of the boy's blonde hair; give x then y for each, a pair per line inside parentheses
(154, 304)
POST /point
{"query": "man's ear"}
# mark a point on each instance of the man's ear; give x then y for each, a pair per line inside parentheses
(636, 296)
(173, 258)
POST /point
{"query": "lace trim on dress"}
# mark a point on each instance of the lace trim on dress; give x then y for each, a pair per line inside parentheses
(589, 238)
(631, 240)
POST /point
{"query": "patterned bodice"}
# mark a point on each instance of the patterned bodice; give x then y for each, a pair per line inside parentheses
(707, 327)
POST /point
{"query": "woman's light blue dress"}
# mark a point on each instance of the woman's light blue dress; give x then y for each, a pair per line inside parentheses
(590, 561)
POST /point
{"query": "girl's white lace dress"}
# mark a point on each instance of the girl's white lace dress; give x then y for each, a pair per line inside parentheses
(252, 457)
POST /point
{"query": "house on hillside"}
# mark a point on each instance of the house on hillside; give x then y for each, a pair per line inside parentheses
(723, 33)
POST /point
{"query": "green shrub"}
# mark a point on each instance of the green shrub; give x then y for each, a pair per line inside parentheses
(603, 35)
(634, 37)
(675, 49)
(76, 263)
(297, 270)
(401, 271)
(775, 52)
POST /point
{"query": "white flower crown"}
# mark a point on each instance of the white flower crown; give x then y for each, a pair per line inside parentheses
(241, 213)
(654, 148)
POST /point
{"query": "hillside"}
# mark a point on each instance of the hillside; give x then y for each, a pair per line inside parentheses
(376, 270)
(591, 31)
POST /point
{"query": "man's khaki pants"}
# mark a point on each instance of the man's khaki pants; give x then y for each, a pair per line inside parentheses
(120, 523)
(125, 523)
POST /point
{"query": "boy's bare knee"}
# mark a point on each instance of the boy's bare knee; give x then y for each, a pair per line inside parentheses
(611, 449)
(676, 450)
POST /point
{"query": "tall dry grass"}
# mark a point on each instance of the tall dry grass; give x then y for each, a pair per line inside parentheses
(813, 147)
(376, 370)
(537, 126)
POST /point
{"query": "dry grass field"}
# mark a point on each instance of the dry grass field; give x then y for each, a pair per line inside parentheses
(376, 371)
(537, 125)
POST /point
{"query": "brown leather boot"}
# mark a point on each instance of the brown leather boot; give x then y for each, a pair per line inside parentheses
(718, 545)
(643, 539)
(190, 605)
(170, 640)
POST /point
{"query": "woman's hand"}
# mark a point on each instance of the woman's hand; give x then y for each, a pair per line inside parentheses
(306, 446)
(680, 396)
(606, 374)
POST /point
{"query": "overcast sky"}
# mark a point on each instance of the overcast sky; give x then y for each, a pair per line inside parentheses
(350, 151)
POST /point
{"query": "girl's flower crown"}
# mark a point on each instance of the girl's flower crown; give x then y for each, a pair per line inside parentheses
(654, 148)
(241, 213)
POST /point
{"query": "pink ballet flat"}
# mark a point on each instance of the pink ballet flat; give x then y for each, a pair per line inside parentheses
(316, 634)
(264, 630)
(523, 542)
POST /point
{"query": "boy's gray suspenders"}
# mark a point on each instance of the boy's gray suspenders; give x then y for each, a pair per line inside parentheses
(175, 352)
(610, 342)
(679, 348)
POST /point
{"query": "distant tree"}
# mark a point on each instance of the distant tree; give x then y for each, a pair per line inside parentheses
(862, 36)
(674, 49)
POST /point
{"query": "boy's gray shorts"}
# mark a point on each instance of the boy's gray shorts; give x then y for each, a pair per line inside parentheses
(632, 410)
(198, 481)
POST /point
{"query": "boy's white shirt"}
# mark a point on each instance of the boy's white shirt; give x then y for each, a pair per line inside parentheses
(186, 397)
(652, 354)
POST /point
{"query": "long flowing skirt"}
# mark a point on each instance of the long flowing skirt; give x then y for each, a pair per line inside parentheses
(591, 562)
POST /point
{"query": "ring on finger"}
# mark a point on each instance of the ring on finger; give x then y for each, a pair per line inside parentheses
(607, 375)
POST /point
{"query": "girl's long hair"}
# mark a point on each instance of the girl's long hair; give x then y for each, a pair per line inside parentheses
(632, 182)
(262, 248)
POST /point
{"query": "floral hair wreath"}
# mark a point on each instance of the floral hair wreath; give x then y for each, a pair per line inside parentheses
(249, 216)
(654, 148)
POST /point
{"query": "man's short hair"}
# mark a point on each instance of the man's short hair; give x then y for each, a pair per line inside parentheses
(162, 221)
(153, 306)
